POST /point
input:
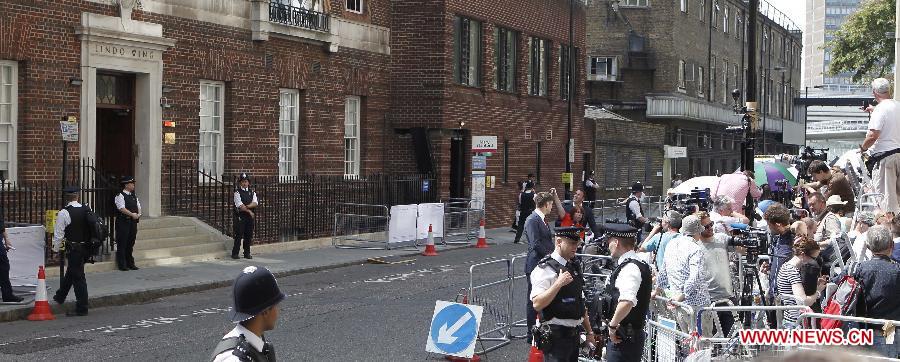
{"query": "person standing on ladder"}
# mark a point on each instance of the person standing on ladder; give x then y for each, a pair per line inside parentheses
(245, 202)
(126, 224)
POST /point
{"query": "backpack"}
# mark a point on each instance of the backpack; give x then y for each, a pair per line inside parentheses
(842, 302)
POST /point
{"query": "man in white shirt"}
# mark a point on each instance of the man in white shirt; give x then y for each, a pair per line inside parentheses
(73, 224)
(129, 208)
(256, 298)
(684, 276)
(557, 291)
(634, 281)
(883, 145)
(245, 202)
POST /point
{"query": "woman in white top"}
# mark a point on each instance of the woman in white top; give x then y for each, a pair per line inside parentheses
(789, 282)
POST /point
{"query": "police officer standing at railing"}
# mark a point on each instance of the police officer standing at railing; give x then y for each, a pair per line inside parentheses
(557, 291)
(634, 211)
(245, 202)
(632, 281)
(129, 208)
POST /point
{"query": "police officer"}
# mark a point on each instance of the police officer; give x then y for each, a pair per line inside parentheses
(633, 279)
(634, 212)
(245, 202)
(6, 289)
(256, 298)
(557, 286)
(129, 208)
(74, 224)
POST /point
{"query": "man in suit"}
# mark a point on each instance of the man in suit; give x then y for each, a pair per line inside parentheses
(540, 244)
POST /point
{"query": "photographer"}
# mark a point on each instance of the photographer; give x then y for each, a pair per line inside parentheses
(830, 183)
(723, 214)
(657, 242)
(778, 219)
(720, 284)
(883, 144)
(736, 186)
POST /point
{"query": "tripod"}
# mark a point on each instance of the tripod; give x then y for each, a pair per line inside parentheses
(750, 272)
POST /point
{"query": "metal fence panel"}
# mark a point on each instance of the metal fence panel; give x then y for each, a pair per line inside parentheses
(493, 295)
(461, 225)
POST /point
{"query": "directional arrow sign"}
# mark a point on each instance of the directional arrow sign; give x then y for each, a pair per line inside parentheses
(454, 329)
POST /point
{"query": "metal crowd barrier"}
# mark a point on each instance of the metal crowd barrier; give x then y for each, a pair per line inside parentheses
(495, 297)
(810, 320)
(361, 226)
(518, 286)
(653, 206)
(669, 330)
(461, 225)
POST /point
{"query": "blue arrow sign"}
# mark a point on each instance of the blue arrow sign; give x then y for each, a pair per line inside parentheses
(454, 328)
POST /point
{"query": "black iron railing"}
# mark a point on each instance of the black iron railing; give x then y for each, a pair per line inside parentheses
(27, 203)
(299, 17)
(291, 208)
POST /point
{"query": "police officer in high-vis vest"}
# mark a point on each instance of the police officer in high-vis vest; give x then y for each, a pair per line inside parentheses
(256, 298)
(557, 292)
(634, 212)
(626, 309)
(74, 224)
(245, 202)
(129, 212)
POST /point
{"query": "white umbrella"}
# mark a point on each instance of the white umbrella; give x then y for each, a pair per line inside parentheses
(852, 157)
(701, 182)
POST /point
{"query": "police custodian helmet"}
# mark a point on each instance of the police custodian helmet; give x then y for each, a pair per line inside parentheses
(255, 290)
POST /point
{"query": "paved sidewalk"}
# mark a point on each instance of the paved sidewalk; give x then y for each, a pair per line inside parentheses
(121, 288)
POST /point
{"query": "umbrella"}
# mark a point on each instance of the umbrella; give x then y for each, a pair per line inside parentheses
(852, 157)
(772, 172)
(701, 182)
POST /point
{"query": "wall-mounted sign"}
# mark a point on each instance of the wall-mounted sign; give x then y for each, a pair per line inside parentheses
(169, 138)
(484, 143)
(69, 130)
(479, 163)
(675, 152)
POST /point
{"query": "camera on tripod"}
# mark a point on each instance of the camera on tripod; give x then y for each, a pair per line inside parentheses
(755, 240)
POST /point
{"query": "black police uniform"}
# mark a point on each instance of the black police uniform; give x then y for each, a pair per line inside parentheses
(631, 328)
(255, 290)
(5, 286)
(243, 223)
(78, 235)
(126, 230)
(630, 216)
(568, 304)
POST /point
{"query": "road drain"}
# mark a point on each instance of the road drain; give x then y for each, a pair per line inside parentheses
(39, 345)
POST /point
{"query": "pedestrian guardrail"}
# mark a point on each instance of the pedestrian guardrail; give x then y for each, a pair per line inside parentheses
(811, 320)
(461, 225)
(495, 296)
(361, 226)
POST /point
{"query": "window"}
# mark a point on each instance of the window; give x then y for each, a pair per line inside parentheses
(700, 81)
(288, 124)
(737, 25)
(604, 68)
(684, 6)
(467, 51)
(9, 99)
(725, 89)
(351, 137)
(564, 76)
(505, 59)
(681, 75)
(712, 78)
(702, 11)
(643, 3)
(725, 21)
(212, 107)
(539, 56)
(715, 17)
(355, 6)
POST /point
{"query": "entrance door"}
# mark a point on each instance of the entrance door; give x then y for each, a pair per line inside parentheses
(457, 167)
(115, 124)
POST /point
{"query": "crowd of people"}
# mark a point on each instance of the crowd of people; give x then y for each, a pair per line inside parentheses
(815, 238)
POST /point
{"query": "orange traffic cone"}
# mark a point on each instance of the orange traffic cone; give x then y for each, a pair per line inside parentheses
(429, 244)
(41, 311)
(535, 354)
(482, 240)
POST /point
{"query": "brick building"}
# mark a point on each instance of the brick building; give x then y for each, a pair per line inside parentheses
(675, 64)
(286, 87)
(466, 68)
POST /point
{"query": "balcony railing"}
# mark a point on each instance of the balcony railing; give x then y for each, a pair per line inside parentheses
(299, 17)
(836, 127)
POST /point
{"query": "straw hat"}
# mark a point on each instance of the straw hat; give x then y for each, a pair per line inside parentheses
(834, 200)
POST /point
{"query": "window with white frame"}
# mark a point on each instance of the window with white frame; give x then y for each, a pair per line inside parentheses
(715, 17)
(643, 3)
(712, 78)
(700, 81)
(681, 75)
(702, 11)
(725, 90)
(212, 107)
(603, 68)
(351, 137)
(8, 118)
(725, 21)
(684, 6)
(288, 124)
(355, 6)
(539, 59)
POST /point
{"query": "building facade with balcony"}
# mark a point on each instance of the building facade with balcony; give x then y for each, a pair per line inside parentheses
(676, 63)
(269, 87)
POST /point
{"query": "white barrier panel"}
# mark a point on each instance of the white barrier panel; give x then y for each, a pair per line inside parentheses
(403, 223)
(430, 214)
(29, 254)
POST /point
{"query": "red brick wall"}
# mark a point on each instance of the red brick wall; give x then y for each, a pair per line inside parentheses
(427, 95)
(252, 71)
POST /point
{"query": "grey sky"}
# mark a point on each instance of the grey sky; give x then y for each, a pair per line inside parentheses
(794, 9)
